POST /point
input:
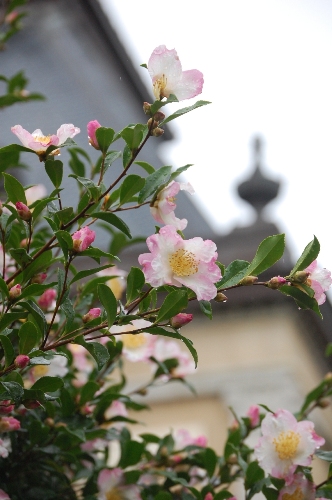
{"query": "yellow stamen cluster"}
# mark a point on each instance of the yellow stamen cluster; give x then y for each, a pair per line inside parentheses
(44, 139)
(159, 87)
(183, 263)
(40, 370)
(297, 495)
(286, 444)
(133, 341)
(113, 494)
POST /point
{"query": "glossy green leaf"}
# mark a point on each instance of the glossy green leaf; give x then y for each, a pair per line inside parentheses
(36, 313)
(65, 242)
(97, 351)
(159, 104)
(147, 167)
(104, 136)
(154, 181)
(233, 274)
(268, 253)
(28, 336)
(9, 318)
(4, 288)
(87, 272)
(40, 264)
(309, 254)
(8, 350)
(135, 283)
(302, 299)
(126, 156)
(174, 303)
(14, 189)
(183, 111)
(254, 474)
(209, 460)
(88, 391)
(21, 256)
(206, 308)
(14, 391)
(48, 384)
(54, 169)
(108, 300)
(130, 186)
(131, 452)
(133, 135)
(35, 289)
(179, 171)
(114, 220)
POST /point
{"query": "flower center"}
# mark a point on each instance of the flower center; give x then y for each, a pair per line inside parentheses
(133, 340)
(43, 139)
(286, 444)
(183, 263)
(297, 495)
(113, 494)
(159, 87)
(40, 370)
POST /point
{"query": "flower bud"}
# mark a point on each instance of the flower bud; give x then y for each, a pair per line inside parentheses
(159, 116)
(39, 278)
(232, 459)
(92, 127)
(253, 415)
(220, 297)
(23, 211)
(208, 496)
(21, 361)
(83, 238)
(181, 319)
(248, 280)
(152, 123)
(323, 403)
(276, 282)
(24, 243)
(8, 424)
(157, 132)
(46, 299)
(299, 277)
(147, 108)
(49, 422)
(6, 407)
(328, 377)
(92, 314)
(15, 292)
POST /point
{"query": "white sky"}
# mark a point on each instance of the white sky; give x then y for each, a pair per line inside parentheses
(267, 70)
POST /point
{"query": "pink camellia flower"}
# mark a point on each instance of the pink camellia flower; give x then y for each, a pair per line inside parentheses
(3, 495)
(39, 142)
(34, 193)
(92, 127)
(170, 349)
(319, 280)
(8, 424)
(181, 319)
(23, 211)
(253, 415)
(47, 298)
(285, 444)
(168, 78)
(298, 488)
(183, 438)
(136, 346)
(111, 485)
(162, 208)
(83, 238)
(116, 409)
(94, 313)
(174, 261)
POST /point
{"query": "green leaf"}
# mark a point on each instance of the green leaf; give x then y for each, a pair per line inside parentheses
(223, 495)
(159, 104)
(108, 300)
(9, 155)
(133, 135)
(9, 318)
(87, 272)
(147, 167)
(97, 351)
(40, 264)
(14, 390)
(324, 455)
(302, 299)
(154, 181)
(268, 253)
(35, 289)
(131, 452)
(4, 288)
(37, 315)
(67, 403)
(206, 308)
(130, 186)
(65, 242)
(114, 221)
(183, 111)
(96, 253)
(21, 256)
(8, 350)
(29, 337)
(48, 384)
(174, 303)
(111, 157)
(54, 169)
(254, 474)
(210, 461)
(309, 254)
(104, 137)
(126, 156)
(88, 391)
(135, 283)
(94, 189)
(67, 308)
(14, 189)
(65, 215)
(179, 171)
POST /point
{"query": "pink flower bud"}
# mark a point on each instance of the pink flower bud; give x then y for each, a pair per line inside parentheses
(92, 314)
(39, 278)
(21, 361)
(83, 238)
(181, 319)
(208, 496)
(6, 407)
(253, 415)
(15, 292)
(23, 211)
(92, 127)
(8, 424)
(276, 282)
(46, 299)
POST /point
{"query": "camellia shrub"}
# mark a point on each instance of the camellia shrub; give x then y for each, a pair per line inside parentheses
(70, 315)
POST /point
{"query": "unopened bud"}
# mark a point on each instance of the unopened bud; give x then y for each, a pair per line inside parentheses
(157, 132)
(220, 297)
(15, 292)
(323, 403)
(6, 407)
(92, 127)
(299, 277)
(142, 392)
(159, 116)
(248, 280)
(92, 314)
(49, 422)
(276, 282)
(39, 278)
(147, 108)
(232, 459)
(181, 319)
(23, 211)
(21, 361)
(24, 243)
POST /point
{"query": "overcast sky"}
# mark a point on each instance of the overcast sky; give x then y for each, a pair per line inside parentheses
(267, 70)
